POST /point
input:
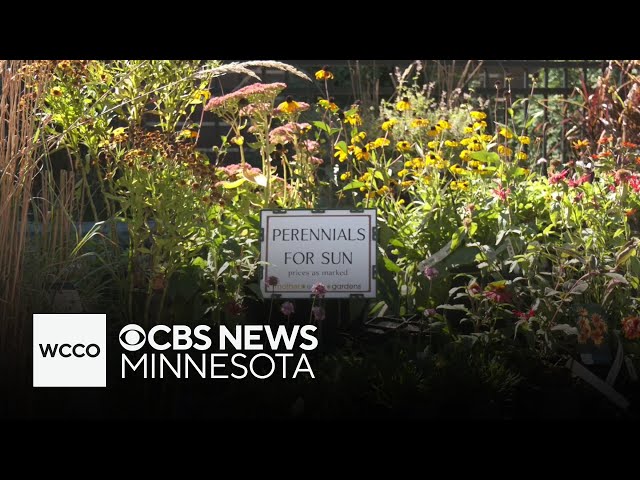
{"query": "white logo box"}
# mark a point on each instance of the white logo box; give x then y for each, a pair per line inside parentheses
(82, 362)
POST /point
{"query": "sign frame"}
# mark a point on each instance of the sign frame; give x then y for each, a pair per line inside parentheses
(371, 213)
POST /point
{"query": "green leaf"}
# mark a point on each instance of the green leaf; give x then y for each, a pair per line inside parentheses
(565, 328)
(342, 145)
(457, 238)
(353, 185)
(487, 157)
(617, 277)
(223, 268)
(321, 126)
(579, 287)
(392, 267)
(626, 252)
(236, 184)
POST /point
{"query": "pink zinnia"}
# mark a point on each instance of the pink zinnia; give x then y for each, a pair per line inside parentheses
(253, 93)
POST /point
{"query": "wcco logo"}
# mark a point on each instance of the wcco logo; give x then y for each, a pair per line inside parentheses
(69, 350)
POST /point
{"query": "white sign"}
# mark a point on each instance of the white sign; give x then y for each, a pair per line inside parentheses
(69, 350)
(301, 248)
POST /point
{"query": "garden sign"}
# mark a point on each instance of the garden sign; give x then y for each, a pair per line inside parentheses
(300, 248)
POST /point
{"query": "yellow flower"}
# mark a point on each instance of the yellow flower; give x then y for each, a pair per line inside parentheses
(187, 134)
(406, 183)
(328, 105)
(324, 74)
(353, 119)
(524, 140)
(381, 191)
(388, 124)
(365, 177)
(434, 157)
(434, 130)
(464, 185)
(381, 142)
(442, 164)
(486, 138)
(444, 125)
(56, 91)
(201, 95)
(504, 151)
(432, 144)
(403, 172)
(465, 155)
(478, 115)
(358, 137)
(580, 144)
(458, 170)
(403, 146)
(450, 143)
(361, 153)
(480, 125)
(239, 140)
(473, 164)
(475, 145)
(506, 133)
(468, 129)
(340, 154)
(417, 163)
(403, 105)
(522, 156)
(345, 176)
(371, 195)
(419, 122)
(289, 106)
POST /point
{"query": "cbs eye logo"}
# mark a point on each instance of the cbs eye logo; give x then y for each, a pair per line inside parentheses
(132, 337)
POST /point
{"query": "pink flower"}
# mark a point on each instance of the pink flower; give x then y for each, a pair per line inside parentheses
(429, 312)
(318, 313)
(312, 160)
(430, 273)
(254, 93)
(501, 193)
(576, 183)
(557, 177)
(311, 145)
(254, 108)
(272, 281)
(287, 132)
(318, 290)
(498, 294)
(287, 309)
(525, 315)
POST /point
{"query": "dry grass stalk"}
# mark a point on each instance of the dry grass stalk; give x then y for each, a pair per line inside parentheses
(18, 167)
